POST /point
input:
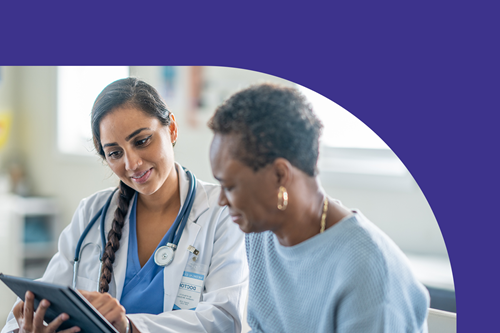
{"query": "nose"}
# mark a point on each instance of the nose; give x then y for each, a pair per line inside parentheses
(223, 199)
(132, 161)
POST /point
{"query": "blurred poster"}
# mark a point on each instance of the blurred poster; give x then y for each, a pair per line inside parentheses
(5, 124)
(195, 95)
(168, 75)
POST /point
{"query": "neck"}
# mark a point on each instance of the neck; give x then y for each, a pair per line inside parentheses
(301, 220)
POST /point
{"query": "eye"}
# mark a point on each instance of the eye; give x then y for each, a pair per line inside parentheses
(114, 154)
(143, 141)
(227, 188)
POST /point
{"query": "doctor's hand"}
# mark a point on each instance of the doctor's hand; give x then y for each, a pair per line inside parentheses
(110, 308)
(32, 322)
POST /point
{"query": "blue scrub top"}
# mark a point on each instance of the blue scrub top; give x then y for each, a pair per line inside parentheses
(143, 288)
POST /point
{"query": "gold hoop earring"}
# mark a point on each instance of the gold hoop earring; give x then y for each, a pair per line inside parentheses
(282, 198)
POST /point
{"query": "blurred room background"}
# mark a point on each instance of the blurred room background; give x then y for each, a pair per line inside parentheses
(48, 164)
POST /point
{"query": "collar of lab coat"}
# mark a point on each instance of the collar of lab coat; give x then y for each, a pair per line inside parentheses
(200, 205)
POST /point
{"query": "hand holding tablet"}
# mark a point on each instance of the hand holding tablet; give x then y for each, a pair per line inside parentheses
(31, 321)
(63, 308)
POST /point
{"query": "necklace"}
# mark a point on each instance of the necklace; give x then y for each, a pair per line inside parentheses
(323, 216)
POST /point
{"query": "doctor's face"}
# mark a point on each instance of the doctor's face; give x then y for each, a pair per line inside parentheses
(138, 149)
(250, 196)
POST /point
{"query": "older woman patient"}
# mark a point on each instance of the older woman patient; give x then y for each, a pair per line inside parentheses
(315, 266)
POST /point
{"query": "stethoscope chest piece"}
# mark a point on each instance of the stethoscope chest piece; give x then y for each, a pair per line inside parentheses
(164, 255)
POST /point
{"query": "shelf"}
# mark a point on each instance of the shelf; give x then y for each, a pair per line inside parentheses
(35, 206)
(32, 227)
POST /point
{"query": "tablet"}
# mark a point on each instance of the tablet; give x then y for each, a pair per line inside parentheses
(62, 299)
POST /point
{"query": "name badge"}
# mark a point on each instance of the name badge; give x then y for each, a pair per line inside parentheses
(191, 286)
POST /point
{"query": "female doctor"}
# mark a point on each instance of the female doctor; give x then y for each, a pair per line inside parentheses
(159, 271)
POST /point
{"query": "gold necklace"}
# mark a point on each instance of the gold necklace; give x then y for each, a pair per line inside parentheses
(323, 216)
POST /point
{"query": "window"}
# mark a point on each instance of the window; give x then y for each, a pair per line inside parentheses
(351, 154)
(77, 89)
(341, 128)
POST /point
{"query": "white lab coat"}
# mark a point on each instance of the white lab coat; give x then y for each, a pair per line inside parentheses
(209, 229)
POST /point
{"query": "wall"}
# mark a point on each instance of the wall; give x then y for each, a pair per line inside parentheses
(66, 178)
(7, 231)
(404, 215)
(8, 85)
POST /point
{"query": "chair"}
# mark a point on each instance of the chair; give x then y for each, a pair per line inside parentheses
(441, 321)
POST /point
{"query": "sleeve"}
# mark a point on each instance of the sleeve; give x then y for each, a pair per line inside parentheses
(60, 268)
(379, 298)
(226, 287)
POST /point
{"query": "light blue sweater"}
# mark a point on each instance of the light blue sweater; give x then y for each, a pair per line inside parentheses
(351, 278)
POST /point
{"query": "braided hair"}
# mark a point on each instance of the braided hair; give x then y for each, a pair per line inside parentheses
(133, 92)
(114, 235)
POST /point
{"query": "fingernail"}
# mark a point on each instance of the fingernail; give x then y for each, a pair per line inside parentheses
(64, 316)
(77, 329)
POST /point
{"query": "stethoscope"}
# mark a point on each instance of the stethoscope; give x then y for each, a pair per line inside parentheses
(163, 255)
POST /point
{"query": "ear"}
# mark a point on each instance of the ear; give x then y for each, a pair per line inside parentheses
(173, 128)
(283, 171)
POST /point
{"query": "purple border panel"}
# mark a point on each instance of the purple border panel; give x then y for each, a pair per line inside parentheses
(424, 76)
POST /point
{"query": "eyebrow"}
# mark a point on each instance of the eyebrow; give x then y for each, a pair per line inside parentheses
(134, 133)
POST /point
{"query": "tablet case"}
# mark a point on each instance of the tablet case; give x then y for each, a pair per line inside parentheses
(62, 299)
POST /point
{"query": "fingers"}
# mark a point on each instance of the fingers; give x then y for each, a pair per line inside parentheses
(107, 304)
(18, 311)
(99, 300)
(70, 330)
(109, 307)
(117, 318)
(40, 314)
(114, 314)
(29, 321)
(28, 311)
(52, 327)
(90, 295)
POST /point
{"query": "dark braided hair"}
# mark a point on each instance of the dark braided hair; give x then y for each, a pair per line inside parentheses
(270, 121)
(114, 235)
(133, 92)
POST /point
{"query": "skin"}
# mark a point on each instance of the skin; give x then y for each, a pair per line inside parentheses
(110, 308)
(30, 321)
(252, 196)
(135, 144)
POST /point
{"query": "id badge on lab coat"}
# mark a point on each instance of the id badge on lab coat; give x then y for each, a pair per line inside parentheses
(191, 286)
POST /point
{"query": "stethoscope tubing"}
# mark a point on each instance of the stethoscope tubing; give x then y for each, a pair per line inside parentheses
(179, 224)
(188, 204)
(102, 213)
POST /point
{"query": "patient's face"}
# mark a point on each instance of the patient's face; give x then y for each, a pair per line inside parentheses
(250, 196)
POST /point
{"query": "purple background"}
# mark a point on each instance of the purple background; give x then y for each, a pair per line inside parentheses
(424, 76)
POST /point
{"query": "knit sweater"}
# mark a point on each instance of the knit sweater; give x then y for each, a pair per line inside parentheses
(351, 278)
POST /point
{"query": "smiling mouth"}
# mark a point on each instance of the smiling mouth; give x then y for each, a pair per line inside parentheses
(236, 218)
(141, 175)
(141, 178)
